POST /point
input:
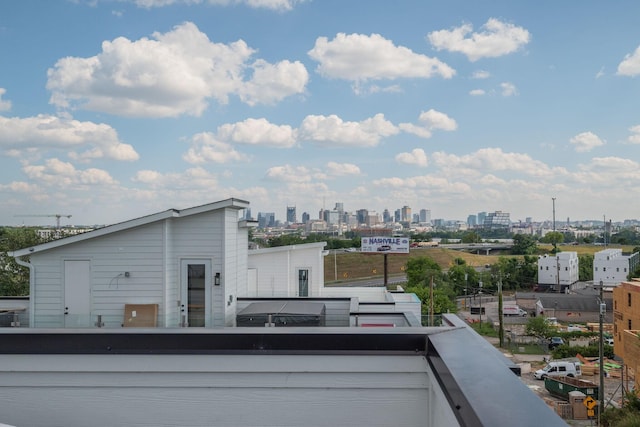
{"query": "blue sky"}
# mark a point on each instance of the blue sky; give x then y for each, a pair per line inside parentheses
(111, 110)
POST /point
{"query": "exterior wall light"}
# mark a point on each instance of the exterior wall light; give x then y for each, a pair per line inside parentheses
(216, 279)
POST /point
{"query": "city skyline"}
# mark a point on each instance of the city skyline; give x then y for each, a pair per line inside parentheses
(111, 110)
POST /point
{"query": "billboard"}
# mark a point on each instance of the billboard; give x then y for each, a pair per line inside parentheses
(385, 245)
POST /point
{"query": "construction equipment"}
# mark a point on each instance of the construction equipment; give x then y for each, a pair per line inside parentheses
(57, 216)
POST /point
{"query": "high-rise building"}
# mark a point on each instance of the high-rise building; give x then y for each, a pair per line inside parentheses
(305, 217)
(497, 220)
(386, 216)
(266, 219)
(481, 217)
(331, 217)
(406, 214)
(361, 215)
(472, 220)
(425, 215)
(291, 214)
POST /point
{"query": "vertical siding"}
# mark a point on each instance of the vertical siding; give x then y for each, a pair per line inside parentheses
(197, 237)
(277, 271)
(137, 251)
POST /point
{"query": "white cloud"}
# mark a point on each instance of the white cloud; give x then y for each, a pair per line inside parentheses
(480, 74)
(334, 131)
(342, 169)
(277, 5)
(634, 138)
(358, 57)
(258, 132)
(205, 147)
(492, 160)
(477, 92)
(586, 141)
(508, 89)
(430, 120)
(497, 39)
(20, 187)
(45, 132)
(57, 173)
(4, 105)
(171, 74)
(630, 65)
(197, 177)
(433, 119)
(288, 173)
(273, 82)
(385, 89)
(417, 157)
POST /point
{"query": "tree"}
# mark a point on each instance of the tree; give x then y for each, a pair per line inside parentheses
(553, 237)
(524, 244)
(585, 267)
(471, 237)
(420, 269)
(14, 278)
(461, 276)
(539, 327)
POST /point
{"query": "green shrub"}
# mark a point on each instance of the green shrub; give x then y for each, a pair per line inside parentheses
(592, 350)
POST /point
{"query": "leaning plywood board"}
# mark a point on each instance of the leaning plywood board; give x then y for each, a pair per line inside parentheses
(140, 315)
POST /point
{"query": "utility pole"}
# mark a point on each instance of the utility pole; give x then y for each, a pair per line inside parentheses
(603, 309)
(431, 302)
(500, 313)
(480, 295)
(554, 213)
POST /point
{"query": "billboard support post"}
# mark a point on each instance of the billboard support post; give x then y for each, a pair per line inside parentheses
(385, 271)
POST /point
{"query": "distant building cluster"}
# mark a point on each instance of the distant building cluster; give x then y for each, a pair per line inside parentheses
(338, 221)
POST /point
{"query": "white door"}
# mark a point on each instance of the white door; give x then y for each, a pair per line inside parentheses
(195, 292)
(77, 294)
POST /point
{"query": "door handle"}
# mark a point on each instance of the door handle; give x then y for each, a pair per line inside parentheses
(66, 310)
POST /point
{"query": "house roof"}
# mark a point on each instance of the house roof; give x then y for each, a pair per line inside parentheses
(584, 303)
(137, 222)
(274, 249)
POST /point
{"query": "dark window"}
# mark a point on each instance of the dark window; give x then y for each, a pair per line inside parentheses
(303, 283)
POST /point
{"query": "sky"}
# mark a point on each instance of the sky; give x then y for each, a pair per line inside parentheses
(115, 109)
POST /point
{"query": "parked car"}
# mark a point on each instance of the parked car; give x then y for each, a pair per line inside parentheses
(555, 342)
(559, 368)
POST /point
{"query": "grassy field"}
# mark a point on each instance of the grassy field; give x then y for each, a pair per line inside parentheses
(350, 266)
(354, 265)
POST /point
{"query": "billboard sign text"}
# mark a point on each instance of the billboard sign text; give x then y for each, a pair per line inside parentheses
(385, 245)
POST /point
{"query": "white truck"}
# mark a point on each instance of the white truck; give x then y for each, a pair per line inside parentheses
(513, 310)
(559, 368)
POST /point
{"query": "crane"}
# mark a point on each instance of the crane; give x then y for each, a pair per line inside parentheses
(57, 216)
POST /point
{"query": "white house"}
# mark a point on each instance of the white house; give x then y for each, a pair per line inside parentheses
(559, 270)
(189, 265)
(188, 268)
(611, 267)
(286, 271)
